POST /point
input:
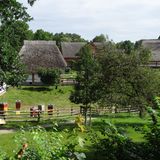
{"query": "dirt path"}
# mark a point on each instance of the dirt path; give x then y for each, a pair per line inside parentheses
(6, 131)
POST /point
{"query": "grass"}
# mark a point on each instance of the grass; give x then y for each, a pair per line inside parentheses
(69, 75)
(7, 143)
(34, 95)
(131, 125)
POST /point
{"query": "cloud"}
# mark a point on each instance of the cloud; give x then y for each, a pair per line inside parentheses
(120, 19)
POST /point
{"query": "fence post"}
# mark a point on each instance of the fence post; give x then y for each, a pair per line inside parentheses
(38, 119)
(57, 112)
(71, 111)
(90, 115)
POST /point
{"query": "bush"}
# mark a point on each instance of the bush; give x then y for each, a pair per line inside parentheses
(38, 144)
(49, 76)
(153, 142)
(111, 145)
(46, 146)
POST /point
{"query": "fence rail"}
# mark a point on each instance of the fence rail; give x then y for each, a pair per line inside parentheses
(37, 115)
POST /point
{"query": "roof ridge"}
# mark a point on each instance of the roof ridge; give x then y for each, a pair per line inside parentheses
(26, 42)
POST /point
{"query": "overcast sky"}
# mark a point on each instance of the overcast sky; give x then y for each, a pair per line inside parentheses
(119, 19)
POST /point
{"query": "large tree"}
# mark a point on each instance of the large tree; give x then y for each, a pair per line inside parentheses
(115, 78)
(11, 10)
(86, 90)
(126, 78)
(13, 30)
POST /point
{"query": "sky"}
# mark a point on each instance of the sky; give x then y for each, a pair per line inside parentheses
(119, 19)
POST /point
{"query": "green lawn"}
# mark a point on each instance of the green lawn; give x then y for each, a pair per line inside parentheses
(7, 143)
(32, 96)
(130, 124)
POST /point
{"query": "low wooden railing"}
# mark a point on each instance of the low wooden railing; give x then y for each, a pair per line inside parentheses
(37, 115)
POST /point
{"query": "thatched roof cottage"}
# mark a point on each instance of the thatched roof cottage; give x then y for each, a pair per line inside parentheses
(154, 46)
(37, 54)
(70, 50)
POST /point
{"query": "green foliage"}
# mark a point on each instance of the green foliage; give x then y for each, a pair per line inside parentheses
(153, 138)
(126, 46)
(126, 80)
(14, 34)
(67, 37)
(11, 11)
(13, 30)
(3, 155)
(11, 66)
(113, 145)
(49, 76)
(46, 146)
(86, 88)
(100, 38)
(43, 35)
(31, 2)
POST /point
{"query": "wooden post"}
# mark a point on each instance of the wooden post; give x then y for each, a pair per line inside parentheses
(71, 111)
(90, 115)
(38, 119)
(57, 112)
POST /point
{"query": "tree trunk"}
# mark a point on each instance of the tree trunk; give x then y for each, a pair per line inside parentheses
(142, 112)
(85, 115)
(90, 115)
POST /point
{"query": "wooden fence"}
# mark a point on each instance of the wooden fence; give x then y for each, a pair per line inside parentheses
(37, 115)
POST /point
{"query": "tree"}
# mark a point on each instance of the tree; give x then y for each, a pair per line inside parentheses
(15, 33)
(67, 37)
(12, 68)
(126, 79)
(31, 2)
(127, 46)
(86, 90)
(13, 30)
(43, 35)
(101, 38)
(49, 76)
(11, 10)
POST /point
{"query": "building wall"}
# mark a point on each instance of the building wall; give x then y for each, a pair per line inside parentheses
(36, 79)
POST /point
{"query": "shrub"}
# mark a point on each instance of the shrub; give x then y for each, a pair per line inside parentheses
(49, 76)
(111, 145)
(46, 146)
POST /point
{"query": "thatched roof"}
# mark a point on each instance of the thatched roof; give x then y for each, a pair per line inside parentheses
(70, 49)
(98, 47)
(36, 54)
(154, 46)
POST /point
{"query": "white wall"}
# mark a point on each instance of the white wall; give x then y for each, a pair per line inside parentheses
(36, 79)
